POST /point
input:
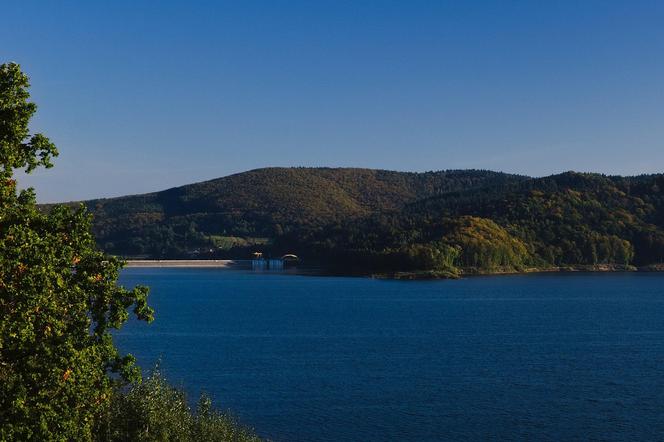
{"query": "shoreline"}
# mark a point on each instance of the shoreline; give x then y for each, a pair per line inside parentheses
(473, 272)
(407, 275)
(191, 263)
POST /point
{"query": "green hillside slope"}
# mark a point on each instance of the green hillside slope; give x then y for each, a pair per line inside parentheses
(258, 206)
(570, 219)
(364, 221)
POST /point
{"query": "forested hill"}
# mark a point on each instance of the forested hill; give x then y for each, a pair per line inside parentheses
(227, 216)
(362, 220)
(572, 219)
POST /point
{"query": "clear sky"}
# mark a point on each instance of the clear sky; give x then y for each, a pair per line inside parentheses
(146, 95)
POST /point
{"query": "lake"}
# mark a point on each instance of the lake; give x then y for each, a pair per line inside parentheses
(305, 358)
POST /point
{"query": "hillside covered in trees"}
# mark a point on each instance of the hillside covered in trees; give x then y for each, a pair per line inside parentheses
(367, 221)
(229, 214)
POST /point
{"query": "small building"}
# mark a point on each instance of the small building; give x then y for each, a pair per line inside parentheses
(260, 263)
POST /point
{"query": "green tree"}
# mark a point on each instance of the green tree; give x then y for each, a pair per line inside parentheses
(154, 411)
(432, 256)
(59, 297)
(484, 244)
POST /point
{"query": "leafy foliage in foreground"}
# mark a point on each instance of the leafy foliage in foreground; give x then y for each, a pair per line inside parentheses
(60, 372)
(155, 411)
(58, 297)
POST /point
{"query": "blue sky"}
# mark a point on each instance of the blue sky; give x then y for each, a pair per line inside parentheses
(146, 95)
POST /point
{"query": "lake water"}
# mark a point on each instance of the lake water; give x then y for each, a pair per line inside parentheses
(303, 358)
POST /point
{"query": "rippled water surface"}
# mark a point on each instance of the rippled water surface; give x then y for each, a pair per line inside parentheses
(303, 358)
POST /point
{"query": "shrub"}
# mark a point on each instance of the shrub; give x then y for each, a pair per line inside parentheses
(155, 411)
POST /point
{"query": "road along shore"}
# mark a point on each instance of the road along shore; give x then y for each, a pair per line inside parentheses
(187, 263)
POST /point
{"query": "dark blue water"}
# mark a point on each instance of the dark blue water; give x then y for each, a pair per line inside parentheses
(300, 358)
